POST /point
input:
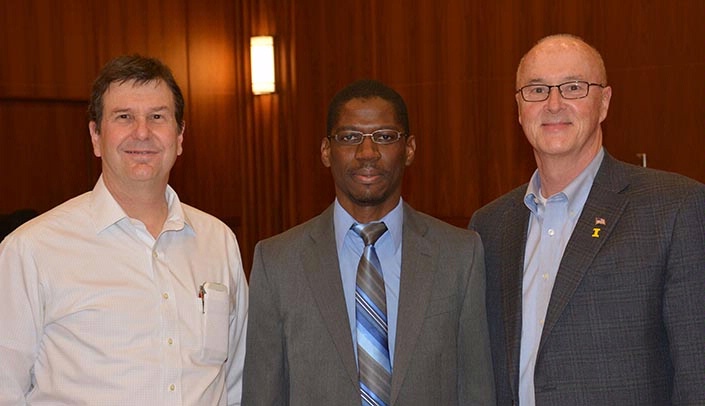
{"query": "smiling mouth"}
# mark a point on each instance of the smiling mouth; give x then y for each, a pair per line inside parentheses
(140, 152)
(366, 176)
(556, 123)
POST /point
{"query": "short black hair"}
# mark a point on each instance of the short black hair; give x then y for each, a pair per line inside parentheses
(367, 89)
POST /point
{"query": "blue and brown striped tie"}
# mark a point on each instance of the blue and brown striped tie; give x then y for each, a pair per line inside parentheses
(371, 316)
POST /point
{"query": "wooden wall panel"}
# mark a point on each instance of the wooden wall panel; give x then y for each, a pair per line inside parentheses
(46, 154)
(210, 172)
(45, 48)
(255, 161)
(156, 28)
(455, 65)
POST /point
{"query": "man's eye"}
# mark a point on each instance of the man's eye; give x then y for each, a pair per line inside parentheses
(346, 137)
(156, 116)
(386, 135)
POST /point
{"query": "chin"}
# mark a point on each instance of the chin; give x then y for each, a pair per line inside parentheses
(368, 199)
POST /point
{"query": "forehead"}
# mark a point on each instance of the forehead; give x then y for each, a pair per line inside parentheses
(559, 60)
(367, 111)
(130, 92)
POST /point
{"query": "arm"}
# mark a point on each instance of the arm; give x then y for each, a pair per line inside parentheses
(238, 327)
(684, 300)
(475, 377)
(265, 377)
(21, 320)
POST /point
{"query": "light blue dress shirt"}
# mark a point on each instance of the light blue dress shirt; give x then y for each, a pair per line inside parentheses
(388, 247)
(550, 227)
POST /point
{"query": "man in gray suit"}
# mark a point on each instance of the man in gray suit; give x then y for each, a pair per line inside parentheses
(595, 268)
(303, 342)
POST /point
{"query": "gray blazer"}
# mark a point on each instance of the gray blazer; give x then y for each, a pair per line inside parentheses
(299, 343)
(626, 319)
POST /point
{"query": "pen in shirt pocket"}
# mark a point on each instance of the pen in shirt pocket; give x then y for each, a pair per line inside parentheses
(202, 296)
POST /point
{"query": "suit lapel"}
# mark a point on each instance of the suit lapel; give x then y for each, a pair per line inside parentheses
(513, 229)
(322, 269)
(418, 267)
(600, 214)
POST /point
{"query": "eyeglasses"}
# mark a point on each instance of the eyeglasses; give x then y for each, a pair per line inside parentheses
(381, 137)
(576, 89)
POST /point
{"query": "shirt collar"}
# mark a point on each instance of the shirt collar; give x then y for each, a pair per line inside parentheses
(106, 211)
(342, 221)
(576, 192)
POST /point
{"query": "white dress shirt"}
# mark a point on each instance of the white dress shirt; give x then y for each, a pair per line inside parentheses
(95, 311)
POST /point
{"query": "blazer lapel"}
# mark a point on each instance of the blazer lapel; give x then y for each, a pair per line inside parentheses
(418, 267)
(322, 269)
(513, 229)
(600, 214)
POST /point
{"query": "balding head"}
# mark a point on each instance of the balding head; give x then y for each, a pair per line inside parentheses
(558, 44)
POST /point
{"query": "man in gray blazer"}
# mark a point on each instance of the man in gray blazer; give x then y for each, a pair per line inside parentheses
(303, 342)
(595, 268)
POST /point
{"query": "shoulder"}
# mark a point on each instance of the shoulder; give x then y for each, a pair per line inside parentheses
(72, 215)
(299, 234)
(201, 221)
(648, 183)
(498, 207)
(438, 230)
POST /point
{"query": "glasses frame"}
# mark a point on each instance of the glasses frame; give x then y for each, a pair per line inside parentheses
(558, 86)
(400, 134)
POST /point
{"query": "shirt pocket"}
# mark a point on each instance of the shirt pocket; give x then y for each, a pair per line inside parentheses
(216, 323)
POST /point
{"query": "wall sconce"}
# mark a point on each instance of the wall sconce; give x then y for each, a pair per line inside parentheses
(262, 61)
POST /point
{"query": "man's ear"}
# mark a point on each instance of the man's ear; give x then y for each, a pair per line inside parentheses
(325, 152)
(95, 138)
(410, 149)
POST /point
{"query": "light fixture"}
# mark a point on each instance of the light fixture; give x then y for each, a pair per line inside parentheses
(262, 61)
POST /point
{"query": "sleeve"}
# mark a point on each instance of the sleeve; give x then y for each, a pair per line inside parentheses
(684, 300)
(238, 327)
(475, 377)
(21, 320)
(265, 377)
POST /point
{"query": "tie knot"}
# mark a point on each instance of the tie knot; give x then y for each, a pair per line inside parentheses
(370, 232)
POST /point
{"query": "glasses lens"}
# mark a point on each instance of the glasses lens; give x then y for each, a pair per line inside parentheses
(385, 136)
(574, 90)
(349, 137)
(535, 92)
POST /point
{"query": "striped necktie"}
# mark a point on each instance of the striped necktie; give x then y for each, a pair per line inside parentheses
(371, 316)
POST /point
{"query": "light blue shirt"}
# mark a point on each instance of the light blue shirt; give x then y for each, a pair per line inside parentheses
(388, 247)
(550, 227)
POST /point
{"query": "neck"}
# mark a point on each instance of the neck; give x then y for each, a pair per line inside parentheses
(556, 173)
(146, 204)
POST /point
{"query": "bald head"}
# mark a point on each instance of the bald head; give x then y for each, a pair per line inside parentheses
(548, 48)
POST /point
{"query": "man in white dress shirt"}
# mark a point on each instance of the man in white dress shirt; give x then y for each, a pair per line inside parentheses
(124, 295)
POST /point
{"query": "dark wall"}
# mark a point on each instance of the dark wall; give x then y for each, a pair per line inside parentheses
(254, 161)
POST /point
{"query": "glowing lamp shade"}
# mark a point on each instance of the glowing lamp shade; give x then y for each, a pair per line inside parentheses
(262, 59)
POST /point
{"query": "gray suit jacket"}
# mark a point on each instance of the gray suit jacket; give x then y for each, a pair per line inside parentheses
(299, 343)
(626, 319)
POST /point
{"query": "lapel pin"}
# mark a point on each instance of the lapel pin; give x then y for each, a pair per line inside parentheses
(599, 221)
(596, 232)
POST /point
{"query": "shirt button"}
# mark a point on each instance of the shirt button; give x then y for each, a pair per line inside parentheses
(154, 254)
(545, 276)
(172, 387)
(541, 322)
(170, 341)
(165, 295)
(551, 232)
